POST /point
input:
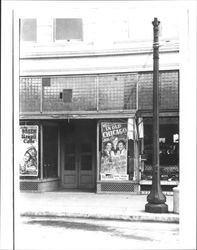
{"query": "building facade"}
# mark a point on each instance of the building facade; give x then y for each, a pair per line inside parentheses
(86, 104)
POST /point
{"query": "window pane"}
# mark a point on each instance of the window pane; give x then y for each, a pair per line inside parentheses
(69, 162)
(70, 149)
(86, 148)
(28, 29)
(50, 151)
(68, 29)
(67, 95)
(86, 162)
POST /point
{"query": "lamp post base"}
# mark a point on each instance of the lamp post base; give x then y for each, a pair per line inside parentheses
(156, 208)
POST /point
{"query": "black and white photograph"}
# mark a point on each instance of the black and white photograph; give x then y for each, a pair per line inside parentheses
(98, 125)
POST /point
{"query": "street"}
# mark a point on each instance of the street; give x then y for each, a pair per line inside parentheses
(73, 233)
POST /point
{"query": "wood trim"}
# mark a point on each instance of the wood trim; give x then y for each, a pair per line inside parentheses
(41, 99)
(40, 181)
(94, 114)
(97, 93)
(117, 181)
(78, 115)
(62, 141)
(97, 152)
(161, 114)
(137, 92)
(59, 154)
(41, 151)
(136, 160)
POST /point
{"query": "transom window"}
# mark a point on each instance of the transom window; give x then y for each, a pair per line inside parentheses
(68, 29)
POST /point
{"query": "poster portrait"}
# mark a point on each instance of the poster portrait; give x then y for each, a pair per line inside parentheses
(114, 151)
(28, 165)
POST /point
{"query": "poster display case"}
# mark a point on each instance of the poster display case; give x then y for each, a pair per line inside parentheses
(28, 165)
(114, 151)
(117, 150)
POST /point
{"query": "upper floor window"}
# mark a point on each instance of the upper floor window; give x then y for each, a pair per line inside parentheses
(68, 29)
(28, 29)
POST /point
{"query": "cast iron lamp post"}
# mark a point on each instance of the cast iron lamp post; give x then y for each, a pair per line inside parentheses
(156, 199)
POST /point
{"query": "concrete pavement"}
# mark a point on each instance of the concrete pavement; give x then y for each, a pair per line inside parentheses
(91, 205)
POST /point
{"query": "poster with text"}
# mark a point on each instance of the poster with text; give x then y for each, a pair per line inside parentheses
(114, 151)
(28, 165)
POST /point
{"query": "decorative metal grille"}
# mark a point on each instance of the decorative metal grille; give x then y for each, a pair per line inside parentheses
(117, 187)
(33, 186)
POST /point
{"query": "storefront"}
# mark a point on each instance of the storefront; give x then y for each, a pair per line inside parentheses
(86, 132)
(97, 154)
(41, 172)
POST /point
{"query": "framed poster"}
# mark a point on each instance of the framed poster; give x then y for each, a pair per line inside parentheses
(114, 151)
(28, 165)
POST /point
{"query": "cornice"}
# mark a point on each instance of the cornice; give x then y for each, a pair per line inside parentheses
(95, 70)
(41, 52)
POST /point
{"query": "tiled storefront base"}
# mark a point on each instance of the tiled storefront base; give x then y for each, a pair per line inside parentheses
(166, 186)
(39, 185)
(129, 188)
(118, 187)
(170, 193)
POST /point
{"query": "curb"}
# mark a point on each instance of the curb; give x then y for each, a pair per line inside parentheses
(171, 218)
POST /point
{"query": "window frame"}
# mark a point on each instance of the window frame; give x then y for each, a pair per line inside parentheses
(21, 33)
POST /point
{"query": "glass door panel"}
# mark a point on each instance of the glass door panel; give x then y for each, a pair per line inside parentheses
(70, 179)
(86, 173)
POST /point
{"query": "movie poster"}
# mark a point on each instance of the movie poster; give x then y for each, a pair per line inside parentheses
(114, 151)
(28, 165)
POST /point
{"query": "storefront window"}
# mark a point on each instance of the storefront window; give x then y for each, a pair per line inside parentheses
(50, 151)
(116, 152)
(169, 150)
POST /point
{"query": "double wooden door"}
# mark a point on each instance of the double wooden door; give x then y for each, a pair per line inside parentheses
(79, 165)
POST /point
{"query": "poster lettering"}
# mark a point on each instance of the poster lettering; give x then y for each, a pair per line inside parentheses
(114, 151)
(28, 165)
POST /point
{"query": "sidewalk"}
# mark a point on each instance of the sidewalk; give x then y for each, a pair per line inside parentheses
(92, 205)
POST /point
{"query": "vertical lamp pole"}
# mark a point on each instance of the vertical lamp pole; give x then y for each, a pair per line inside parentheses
(156, 199)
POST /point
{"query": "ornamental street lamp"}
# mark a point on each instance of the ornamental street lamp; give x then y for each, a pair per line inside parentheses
(156, 199)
